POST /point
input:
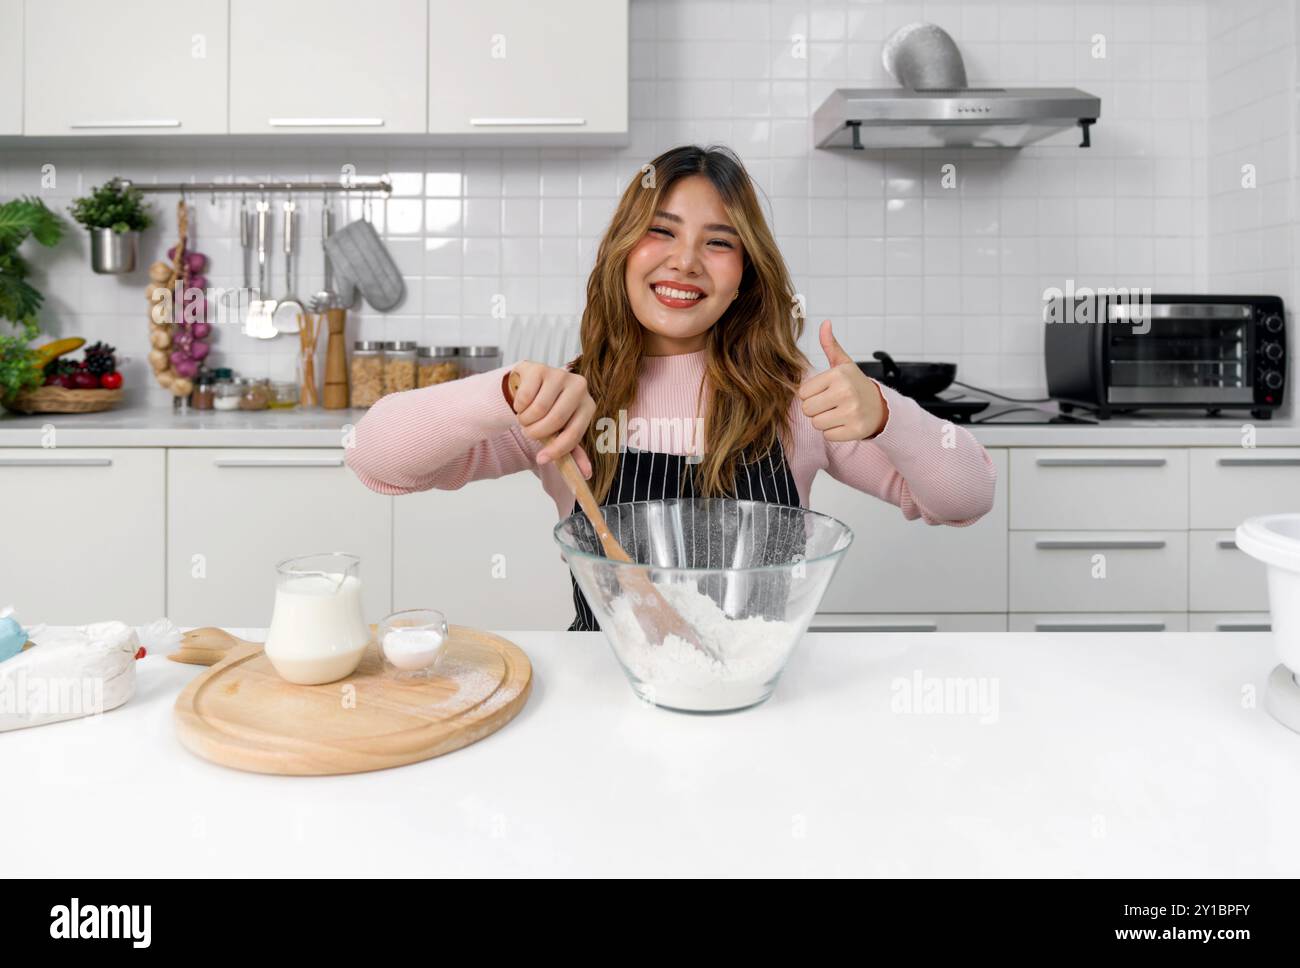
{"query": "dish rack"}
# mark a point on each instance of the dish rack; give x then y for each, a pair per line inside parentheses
(549, 339)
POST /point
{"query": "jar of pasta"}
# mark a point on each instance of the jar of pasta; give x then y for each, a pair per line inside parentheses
(438, 364)
(366, 373)
(399, 366)
(479, 359)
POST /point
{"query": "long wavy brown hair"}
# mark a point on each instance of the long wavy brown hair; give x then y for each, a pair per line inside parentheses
(754, 364)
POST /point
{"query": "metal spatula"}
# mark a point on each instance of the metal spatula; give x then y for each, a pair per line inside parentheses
(289, 308)
(260, 323)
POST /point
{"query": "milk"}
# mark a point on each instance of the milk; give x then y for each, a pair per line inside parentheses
(318, 634)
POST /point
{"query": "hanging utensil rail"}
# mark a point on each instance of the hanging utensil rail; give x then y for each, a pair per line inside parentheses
(357, 186)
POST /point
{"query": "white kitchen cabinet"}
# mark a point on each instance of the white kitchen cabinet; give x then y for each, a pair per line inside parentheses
(95, 68)
(328, 66)
(1230, 485)
(234, 513)
(910, 622)
(11, 67)
(1098, 489)
(83, 534)
(1098, 622)
(483, 555)
(1118, 571)
(1222, 577)
(512, 67)
(896, 565)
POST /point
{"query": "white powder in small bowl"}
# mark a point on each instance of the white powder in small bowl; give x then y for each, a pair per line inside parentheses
(678, 675)
(413, 649)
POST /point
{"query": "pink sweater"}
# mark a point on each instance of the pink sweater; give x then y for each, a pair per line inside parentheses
(447, 435)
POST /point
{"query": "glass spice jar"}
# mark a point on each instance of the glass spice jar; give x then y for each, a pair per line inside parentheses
(256, 396)
(479, 359)
(204, 394)
(284, 395)
(366, 373)
(399, 366)
(226, 394)
(438, 364)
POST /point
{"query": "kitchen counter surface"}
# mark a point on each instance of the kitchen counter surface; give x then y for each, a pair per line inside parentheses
(1105, 755)
(159, 427)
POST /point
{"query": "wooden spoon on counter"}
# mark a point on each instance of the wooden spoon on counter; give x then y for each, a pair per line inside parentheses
(658, 619)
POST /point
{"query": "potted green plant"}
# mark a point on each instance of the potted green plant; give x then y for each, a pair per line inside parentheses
(20, 366)
(115, 213)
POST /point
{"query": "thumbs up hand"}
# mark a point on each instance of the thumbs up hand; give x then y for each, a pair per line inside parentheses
(843, 402)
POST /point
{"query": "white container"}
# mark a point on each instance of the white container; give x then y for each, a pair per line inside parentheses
(1275, 540)
(318, 631)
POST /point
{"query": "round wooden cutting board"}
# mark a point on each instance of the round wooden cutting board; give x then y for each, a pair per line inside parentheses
(241, 714)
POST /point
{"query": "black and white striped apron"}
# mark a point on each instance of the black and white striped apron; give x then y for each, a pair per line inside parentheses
(650, 476)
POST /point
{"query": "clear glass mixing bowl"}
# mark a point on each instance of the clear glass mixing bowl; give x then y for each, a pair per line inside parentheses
(748, 576)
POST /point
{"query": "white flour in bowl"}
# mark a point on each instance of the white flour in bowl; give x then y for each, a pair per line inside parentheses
(683, 677)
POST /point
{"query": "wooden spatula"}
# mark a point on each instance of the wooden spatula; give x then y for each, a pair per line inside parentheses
(657, 618)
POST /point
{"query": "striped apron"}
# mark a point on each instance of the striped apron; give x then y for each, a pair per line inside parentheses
(650, 476)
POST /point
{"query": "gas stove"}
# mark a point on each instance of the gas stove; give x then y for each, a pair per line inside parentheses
(964, 409)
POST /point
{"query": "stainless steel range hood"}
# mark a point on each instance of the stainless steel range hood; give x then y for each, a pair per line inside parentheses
(934, 108)
(951, 118)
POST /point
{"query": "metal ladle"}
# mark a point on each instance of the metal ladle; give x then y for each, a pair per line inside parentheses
(290, 307)
(326, 298)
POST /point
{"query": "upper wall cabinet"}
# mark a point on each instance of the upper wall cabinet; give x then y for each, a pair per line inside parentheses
(150, 67)
(513, 68)
(11, 66)
(328, 66)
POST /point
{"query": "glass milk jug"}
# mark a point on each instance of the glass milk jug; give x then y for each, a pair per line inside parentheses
(318, 630)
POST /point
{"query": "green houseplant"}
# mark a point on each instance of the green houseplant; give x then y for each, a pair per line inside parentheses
(19, 300)
(114, 213)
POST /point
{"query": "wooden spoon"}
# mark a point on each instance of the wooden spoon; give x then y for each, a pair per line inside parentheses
(657, 618)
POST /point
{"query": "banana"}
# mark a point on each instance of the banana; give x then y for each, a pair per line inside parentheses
(52, 351)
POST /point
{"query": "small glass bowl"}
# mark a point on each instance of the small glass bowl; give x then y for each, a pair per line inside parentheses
(411, 642)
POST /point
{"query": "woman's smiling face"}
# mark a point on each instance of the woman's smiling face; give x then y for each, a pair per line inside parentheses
(683, 274)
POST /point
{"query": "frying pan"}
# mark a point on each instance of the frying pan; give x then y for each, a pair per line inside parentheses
(920, 380)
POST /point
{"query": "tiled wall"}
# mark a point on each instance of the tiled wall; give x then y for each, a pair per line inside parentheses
(872, 239)
(1252, 127)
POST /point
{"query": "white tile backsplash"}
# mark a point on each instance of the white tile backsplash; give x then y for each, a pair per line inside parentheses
(1191, 90)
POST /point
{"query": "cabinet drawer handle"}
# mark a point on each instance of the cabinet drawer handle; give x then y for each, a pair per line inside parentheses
(1242, 627)
(56, 462)
(325, 122)
(1101, 462)
(1084, 543)
(884, 627)
(154, 123)
(519, 122)
(1259, 461)
(1228, 544)
(278, 462)
(1099, 626)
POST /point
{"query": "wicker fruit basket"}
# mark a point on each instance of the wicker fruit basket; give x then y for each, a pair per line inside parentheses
(56, 399)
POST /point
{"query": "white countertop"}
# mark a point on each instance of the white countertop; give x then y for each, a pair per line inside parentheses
(160, 427)
(1111, 755)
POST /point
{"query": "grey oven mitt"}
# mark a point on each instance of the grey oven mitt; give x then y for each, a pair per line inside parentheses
(359, 257)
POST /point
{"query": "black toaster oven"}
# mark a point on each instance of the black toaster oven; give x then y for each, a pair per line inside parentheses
(1123, 354)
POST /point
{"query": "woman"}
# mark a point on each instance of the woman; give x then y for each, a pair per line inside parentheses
(691, 321)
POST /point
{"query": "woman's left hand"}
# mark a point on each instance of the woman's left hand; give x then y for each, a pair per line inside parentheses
(843, 402)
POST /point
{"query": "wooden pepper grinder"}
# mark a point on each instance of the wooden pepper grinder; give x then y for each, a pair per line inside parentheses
(335, 396)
